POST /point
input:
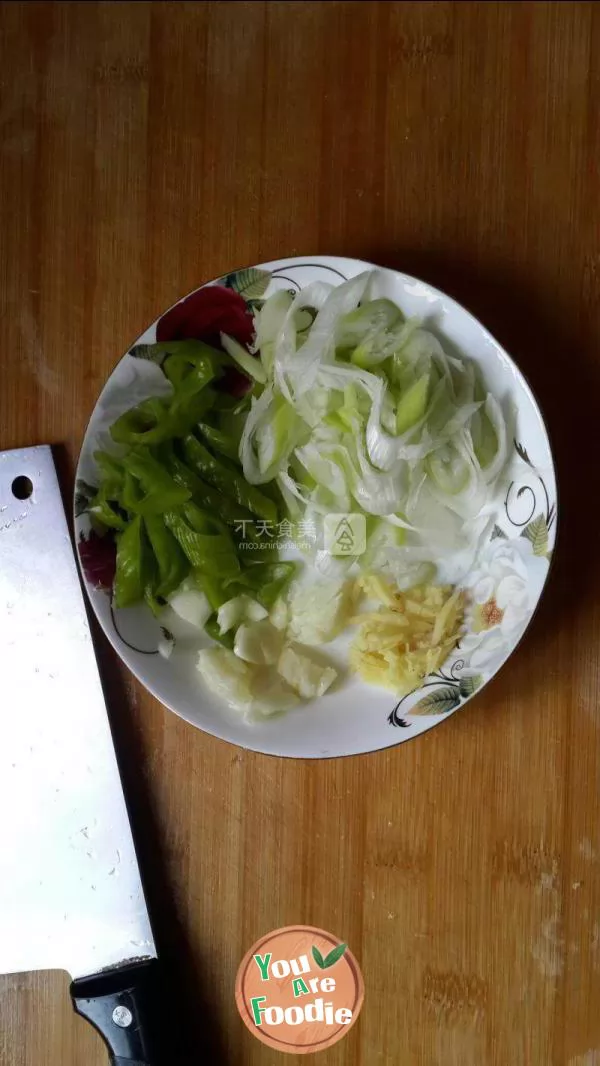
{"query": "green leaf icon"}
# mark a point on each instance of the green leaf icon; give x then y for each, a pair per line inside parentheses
(316, 954)
(537, 533)
(469, 685)
(250, 283)
(335, 954)
(440, 701)
(497, 532)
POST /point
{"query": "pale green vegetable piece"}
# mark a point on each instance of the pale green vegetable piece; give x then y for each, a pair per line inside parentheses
(230, 678)
(382, 537)
(412, 405)
(277, 436)
(319, 612)
(267, 355)
(271, 317)
(248, 363)
(450, 470)
(296, 371)
(237, 610)
(272, 696)
(258, 643)
(279, 614)
(271, 431)
(253, 690)
(370, 319)
(310, 679)
(191, 605)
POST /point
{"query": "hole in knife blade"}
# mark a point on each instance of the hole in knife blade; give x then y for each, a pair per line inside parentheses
(22, 487)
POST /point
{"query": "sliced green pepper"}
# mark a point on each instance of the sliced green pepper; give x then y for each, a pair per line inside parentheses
(172, 564)
(192, 382)
(232, 423)
(144, 424)
(238, 518)
(227, 481)
(131, 493)
(161, 492)
(111, 471)
(104, 510)
(156, 420)
(211, 628)
(212, 588)
(220, 441)
(267, 580)
(210, 551)
(189, 350)
(185, 356)
(155, 605)
(129, 577)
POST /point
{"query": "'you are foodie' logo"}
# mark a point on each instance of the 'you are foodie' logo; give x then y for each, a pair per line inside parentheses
(299, 989)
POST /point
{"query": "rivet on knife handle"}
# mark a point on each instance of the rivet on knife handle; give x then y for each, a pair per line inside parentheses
(125, 1006)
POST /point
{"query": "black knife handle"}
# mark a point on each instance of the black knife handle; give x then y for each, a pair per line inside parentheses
(126, 1006)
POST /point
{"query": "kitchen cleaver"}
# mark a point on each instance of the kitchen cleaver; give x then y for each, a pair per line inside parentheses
(70, 889)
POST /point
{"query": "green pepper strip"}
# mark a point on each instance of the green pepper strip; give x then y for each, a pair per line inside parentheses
(156, 420)
(162, 493)
(172, 564)
(207, 551)
(227, 481)
(104, 511)
(267, 581)
(104, 506)
(211, 628)
(131, 493)
(221, 442)
(129, 577)
(238, 518)
(212, 588)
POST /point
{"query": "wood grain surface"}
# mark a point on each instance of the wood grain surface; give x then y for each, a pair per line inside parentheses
(147, 147)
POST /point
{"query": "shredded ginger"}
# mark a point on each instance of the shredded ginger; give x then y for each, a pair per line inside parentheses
(408, 636)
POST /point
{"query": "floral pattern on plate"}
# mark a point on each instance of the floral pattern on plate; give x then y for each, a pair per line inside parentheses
(502, 590)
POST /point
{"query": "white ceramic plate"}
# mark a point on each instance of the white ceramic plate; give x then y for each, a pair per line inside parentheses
(505, 585)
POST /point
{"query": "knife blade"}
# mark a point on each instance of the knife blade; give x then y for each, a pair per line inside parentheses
(71, 896)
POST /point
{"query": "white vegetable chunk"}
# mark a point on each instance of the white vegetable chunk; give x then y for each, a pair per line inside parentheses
(237, 610)
(318, 612)
(309, 678)
(258, 643)
(246, 687)
(192, 606)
